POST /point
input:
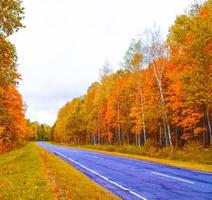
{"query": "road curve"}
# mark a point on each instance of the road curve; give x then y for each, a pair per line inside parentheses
(135, 179)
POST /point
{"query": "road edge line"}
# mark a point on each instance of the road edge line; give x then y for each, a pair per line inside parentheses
(103, 177)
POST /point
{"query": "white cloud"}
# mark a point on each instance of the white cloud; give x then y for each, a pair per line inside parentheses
(66, 42)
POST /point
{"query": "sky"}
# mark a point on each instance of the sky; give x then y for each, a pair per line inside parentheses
(66, 43)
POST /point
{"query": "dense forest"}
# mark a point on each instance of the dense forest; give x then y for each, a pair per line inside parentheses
(162, 93)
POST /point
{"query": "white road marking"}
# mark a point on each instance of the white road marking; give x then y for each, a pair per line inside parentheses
(96, 157)
(179, 179)
(75, 151)
(103, 177)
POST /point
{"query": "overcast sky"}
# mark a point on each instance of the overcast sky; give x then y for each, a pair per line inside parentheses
(66, 42)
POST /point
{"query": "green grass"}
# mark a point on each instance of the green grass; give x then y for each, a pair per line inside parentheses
(31, 172)
(69, 183)
(21, 175)
(192, 157)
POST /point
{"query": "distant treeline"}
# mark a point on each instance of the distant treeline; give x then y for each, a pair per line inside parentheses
(162, 93)
(39, 132)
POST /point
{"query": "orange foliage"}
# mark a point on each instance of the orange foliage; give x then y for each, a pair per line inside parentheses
(12, 121)
(168, 99)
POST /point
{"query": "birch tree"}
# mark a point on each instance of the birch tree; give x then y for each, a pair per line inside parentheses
(133, 61)
(156, 56)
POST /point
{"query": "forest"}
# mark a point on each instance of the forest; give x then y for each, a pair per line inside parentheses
(161, 95)
(152, 116)
(14, 127)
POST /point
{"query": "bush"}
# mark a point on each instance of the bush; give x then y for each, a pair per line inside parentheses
(192, 152)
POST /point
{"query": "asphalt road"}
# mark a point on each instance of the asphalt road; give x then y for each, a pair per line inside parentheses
(135, 179)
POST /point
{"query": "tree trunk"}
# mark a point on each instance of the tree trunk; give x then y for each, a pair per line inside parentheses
(165, 114)
(94, 140)
(165, 133)
(139, 140)
(142, 108)
(128, 138)
(158, 78)
(169, 134)
(176, 135)
(98, 136)
(143, 118)
(209, 125)
(119, 134)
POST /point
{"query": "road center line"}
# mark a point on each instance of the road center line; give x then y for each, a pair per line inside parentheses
(96, 157)
(97, 174)
(179, 179)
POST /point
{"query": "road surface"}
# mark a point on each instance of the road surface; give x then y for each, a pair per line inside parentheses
(135, 179)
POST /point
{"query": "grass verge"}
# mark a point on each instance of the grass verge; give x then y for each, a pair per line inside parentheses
(68, 183)
(21, 175)
(135, 153)
(31, 172)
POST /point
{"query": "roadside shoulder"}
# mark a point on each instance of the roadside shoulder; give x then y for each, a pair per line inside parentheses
(174, 163)
(68, 183)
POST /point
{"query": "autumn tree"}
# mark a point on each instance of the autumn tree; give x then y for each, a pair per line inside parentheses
(106, 84)
(134, 63)
(161, 96)
(91, 113)
(155, 55)
(190, 42)
(12, 119)
(75, 125)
